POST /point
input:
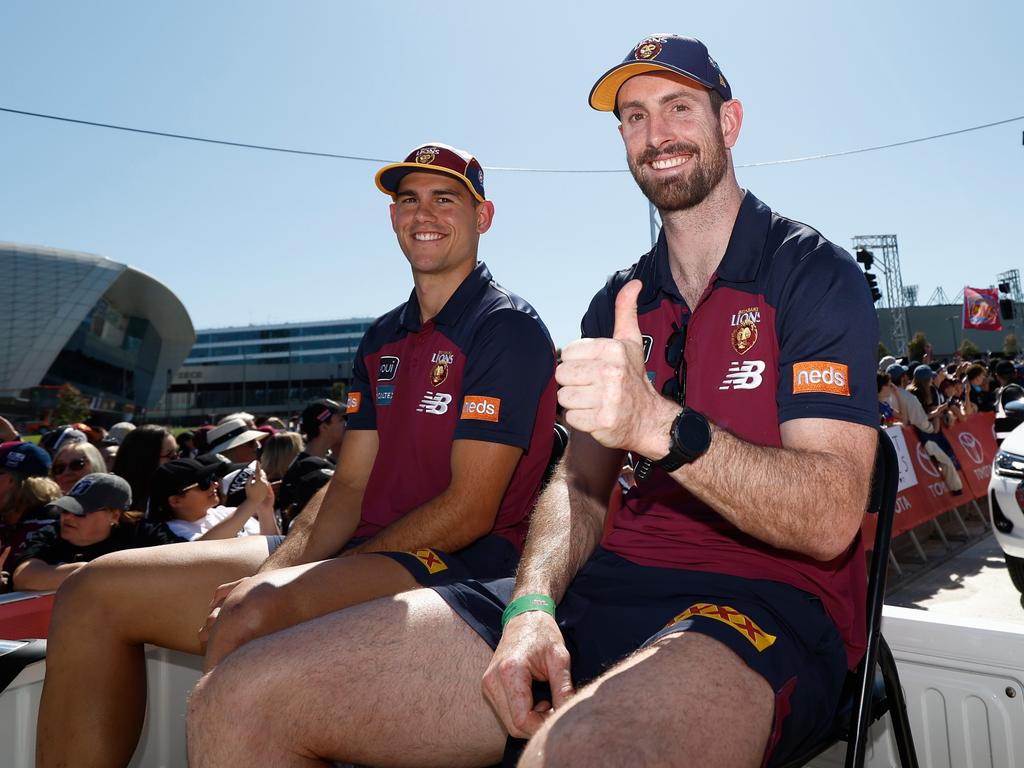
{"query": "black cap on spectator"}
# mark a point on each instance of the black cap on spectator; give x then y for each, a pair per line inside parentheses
(303, 479)
(317, 413)
(173, 477)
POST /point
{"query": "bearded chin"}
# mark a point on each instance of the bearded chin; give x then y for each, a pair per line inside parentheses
(684, 191)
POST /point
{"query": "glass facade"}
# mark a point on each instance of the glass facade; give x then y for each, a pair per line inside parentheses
(104, 355)
(333, 341)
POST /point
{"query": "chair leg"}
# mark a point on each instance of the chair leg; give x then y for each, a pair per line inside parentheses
(897, 707)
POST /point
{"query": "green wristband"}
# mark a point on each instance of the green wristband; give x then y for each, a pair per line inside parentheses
(525, 604)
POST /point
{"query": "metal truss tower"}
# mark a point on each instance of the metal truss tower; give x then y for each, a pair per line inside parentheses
(910, 295)
(887, 259)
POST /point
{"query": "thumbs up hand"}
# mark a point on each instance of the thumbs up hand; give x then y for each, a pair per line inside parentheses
(605, 390)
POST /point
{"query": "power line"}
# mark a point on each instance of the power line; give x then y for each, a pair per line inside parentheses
(358, 158)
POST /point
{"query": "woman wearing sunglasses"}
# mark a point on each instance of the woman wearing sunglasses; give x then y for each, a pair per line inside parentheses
(184, 496)
(73, 462)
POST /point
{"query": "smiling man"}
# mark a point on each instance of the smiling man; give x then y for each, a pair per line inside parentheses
(715, 623)
(450, 425)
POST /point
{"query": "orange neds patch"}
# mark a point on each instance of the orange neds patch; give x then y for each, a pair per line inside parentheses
(821, 376)
(354, 401)
(480, 407)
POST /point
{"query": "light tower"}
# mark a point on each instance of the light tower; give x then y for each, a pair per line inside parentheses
(883, 252)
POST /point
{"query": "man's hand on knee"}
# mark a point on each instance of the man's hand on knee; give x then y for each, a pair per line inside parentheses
(531, 648)
(219, 596)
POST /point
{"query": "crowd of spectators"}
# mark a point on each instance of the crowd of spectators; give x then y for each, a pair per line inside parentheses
(84, 491)
(931, 396)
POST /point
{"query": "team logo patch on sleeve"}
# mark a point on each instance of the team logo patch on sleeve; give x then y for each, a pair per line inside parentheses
(821, 376)
(353, 402)
(738, 621)
(480, 407)
(430, 560)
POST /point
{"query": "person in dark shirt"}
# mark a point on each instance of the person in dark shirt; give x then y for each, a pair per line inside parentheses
(980, 390)
(95, 520)
(25, 490)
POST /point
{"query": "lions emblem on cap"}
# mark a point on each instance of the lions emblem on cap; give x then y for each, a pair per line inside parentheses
(647, 49)
(426, 155)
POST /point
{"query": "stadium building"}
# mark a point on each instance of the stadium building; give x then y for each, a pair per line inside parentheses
(114, 332)
(262, 369)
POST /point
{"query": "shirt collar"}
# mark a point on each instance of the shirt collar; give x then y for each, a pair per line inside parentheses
(739, 264)
(450, 313)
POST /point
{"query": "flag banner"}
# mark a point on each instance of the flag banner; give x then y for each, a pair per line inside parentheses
(981, 309)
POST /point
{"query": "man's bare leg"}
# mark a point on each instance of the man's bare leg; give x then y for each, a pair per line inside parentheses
(687, 700)
(279, 599)
(392, 682)
(94, 695)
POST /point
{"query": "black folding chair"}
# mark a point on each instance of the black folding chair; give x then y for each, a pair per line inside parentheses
(874, 687)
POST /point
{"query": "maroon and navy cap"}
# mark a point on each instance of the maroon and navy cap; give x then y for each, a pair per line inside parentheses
(434, 157)
(685, 56)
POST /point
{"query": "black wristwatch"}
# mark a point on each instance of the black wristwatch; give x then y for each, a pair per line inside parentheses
(689, 437)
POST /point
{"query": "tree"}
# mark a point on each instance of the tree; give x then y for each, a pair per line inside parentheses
(883, 350)
(969, 350)
(1010, 348)
(918, 346)
(71, 406)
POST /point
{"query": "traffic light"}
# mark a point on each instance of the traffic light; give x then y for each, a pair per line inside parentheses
(873, 285)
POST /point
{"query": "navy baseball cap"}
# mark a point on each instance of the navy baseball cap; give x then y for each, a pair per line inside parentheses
(896, 372)
(434, 157)
(24, 459)
(95, 491)
(684, 56)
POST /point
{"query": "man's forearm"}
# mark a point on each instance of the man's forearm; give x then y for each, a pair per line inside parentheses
(805, 501)
(313, 536)
(565, 529)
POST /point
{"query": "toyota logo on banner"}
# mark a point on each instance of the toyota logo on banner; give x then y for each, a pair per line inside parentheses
(972, 446)
(924, 461)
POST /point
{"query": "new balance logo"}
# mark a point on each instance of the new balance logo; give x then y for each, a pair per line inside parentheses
(435, 403)
(744, 375)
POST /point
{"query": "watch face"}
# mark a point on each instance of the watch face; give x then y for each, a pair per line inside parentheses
(692, 434)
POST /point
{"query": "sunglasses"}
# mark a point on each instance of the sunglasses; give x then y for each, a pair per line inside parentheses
(673, 388)
(74, 465)
(170, 455)
(202, 485)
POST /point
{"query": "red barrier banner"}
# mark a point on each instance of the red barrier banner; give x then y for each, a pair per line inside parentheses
(974, 443)
(923, 494)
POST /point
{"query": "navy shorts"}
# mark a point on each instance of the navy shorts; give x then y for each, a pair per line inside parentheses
(615, 607)
(491, 557)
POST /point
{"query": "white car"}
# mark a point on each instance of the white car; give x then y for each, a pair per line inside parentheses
(1006, 500)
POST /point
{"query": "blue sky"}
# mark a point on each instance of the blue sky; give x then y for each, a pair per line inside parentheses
(251, 237)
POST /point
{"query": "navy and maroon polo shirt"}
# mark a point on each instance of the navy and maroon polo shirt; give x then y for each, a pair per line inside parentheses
(786, 330)
(481, 369)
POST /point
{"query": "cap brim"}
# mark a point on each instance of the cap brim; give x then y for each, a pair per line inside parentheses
(68, 504)
(606, 89)
(389, 176)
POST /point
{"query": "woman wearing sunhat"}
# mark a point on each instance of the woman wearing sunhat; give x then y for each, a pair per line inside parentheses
(95, 519)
